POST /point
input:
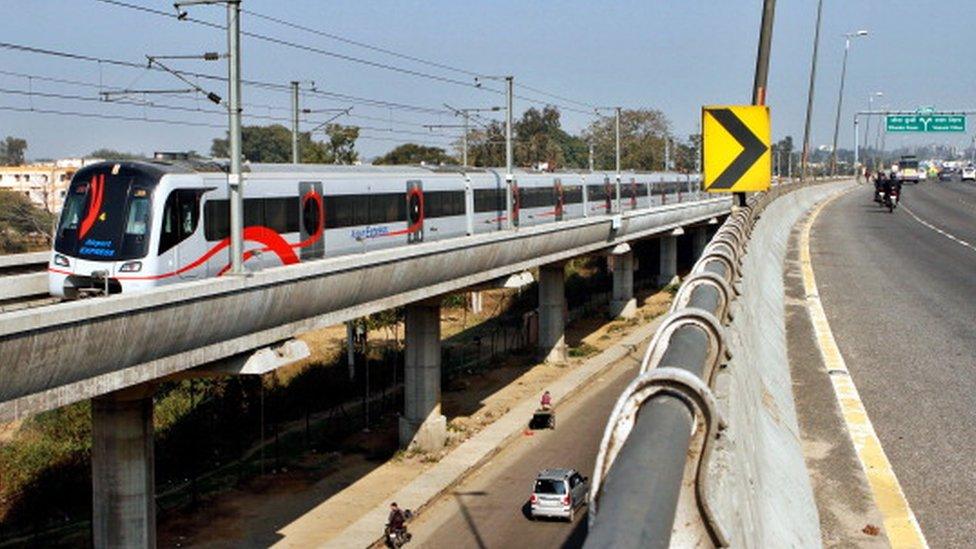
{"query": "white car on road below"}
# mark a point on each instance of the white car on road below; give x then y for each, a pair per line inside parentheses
(969, 173)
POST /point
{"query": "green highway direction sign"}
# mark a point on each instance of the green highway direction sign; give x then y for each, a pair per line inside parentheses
(926, 123)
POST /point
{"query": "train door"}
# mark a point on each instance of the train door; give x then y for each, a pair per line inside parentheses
(415, 211)
(181, 217)
(608, 193)
(560, 201)
(312, 223)
(633, 194)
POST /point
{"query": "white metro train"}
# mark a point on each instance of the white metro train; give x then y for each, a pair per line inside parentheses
(130, 226)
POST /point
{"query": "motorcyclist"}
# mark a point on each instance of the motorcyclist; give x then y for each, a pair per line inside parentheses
(395, 521)
(892, 183)
(895, 185)
(879, 183)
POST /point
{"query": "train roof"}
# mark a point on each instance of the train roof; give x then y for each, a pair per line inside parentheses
(185, 166)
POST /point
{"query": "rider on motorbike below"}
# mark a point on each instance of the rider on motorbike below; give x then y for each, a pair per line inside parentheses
(396, 520)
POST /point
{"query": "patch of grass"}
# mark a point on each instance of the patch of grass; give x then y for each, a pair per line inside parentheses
(582, 351)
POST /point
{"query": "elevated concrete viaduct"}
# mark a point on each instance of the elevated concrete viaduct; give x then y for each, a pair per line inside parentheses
(114, 350)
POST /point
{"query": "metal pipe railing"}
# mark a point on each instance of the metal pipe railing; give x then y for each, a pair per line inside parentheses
(650, 435)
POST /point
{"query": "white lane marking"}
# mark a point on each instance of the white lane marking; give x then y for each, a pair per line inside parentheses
(950, 236)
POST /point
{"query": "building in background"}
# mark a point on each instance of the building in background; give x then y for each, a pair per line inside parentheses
(45, 183)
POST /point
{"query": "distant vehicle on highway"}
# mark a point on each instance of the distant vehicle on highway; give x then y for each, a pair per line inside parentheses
(558, 493)
(969, 173)
(947, 174)
(906, 170)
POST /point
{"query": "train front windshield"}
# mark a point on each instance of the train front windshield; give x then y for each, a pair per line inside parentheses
(106, 215)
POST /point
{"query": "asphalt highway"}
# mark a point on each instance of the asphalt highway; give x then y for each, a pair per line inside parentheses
(489, 508)
(899, 290)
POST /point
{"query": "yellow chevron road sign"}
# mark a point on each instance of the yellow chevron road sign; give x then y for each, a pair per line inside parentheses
(735, 148)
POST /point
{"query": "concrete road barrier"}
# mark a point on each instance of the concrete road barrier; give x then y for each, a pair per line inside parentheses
(761, 490)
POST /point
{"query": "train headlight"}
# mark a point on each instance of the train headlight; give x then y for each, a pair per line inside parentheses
(131, 267)
(61, 260)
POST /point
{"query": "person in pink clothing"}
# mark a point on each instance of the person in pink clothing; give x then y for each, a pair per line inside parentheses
(546, 400)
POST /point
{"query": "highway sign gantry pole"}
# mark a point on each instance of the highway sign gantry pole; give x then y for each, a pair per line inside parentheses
(813, 78)
(867, 122)
(840, 97)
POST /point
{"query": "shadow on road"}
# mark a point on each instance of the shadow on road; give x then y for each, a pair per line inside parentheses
(468, 518)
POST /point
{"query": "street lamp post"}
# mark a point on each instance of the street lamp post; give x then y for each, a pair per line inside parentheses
(840, 97)
(813, 79)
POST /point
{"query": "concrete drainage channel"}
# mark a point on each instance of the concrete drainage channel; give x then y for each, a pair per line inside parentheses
(703, 447)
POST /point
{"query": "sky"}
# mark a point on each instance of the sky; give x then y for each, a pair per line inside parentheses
(665, 54)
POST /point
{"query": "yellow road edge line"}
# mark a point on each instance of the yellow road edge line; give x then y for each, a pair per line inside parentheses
(899, 521)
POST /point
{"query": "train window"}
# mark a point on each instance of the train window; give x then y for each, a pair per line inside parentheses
(253, 212)
(386, 208)
(181, 214)
(489, 200)
(189, 212)
(216, 219)
(443, 203)
(572, 194)
(138, 218)
(533, 197)
(346, 210)
(595, 193)
(281, 214)
(72, 211)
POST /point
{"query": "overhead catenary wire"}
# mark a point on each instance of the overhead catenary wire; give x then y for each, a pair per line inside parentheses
(104, 116)
(404, 56)
(351, 58)
(283, 88)
(70, 97)
(167, 121)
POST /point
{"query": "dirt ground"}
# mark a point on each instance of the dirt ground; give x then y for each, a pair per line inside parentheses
(328, 492)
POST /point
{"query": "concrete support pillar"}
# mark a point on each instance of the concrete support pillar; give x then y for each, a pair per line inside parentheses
(699, 239)
(552, 313)
(623, 304)
(476, 302)
(123, 479)
(351, 350)
(668, 266)
(423, 426)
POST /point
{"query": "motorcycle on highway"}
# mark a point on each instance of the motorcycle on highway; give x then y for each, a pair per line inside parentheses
(891, 198)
